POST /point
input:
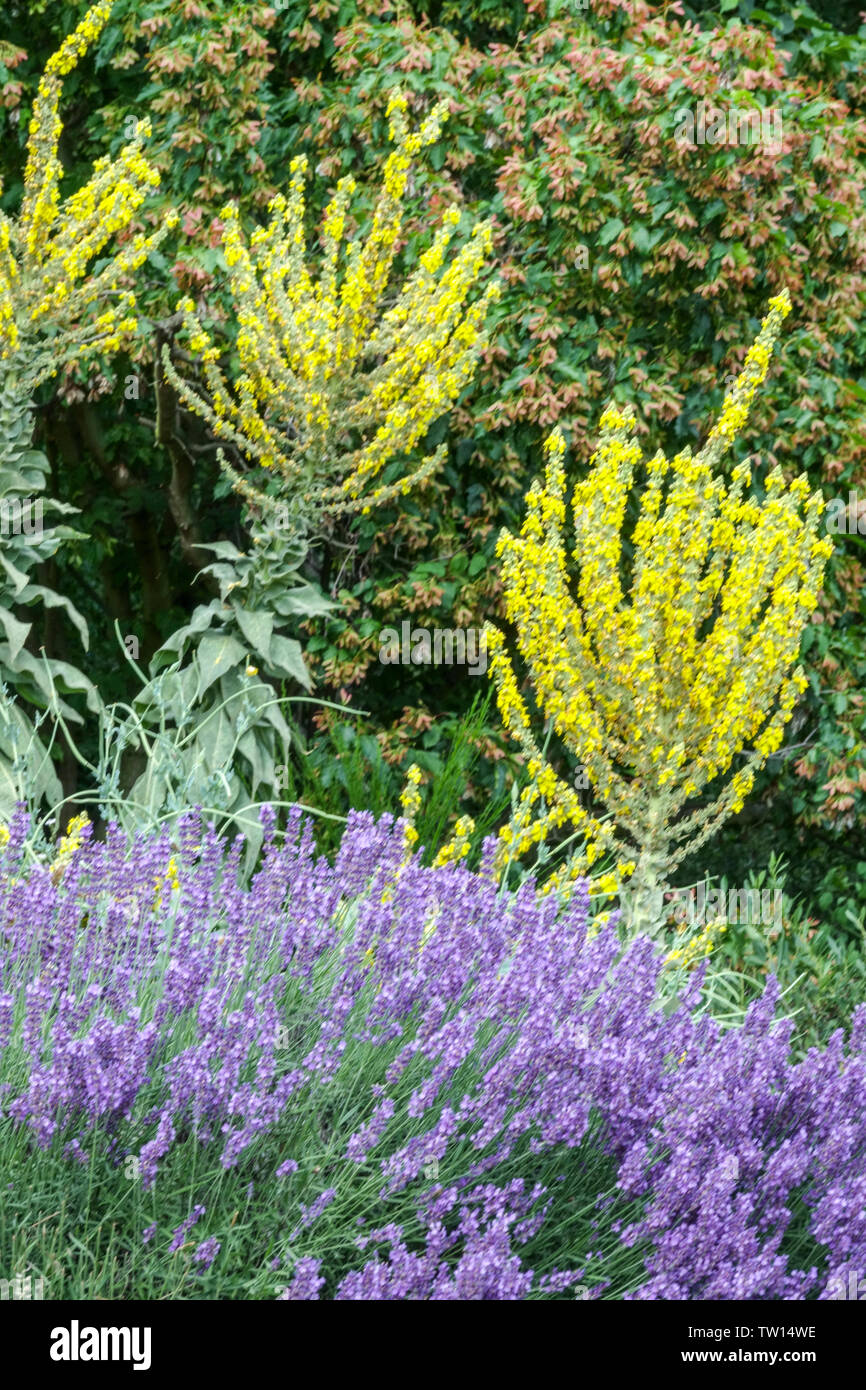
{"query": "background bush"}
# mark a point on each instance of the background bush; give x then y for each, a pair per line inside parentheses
(627, 260)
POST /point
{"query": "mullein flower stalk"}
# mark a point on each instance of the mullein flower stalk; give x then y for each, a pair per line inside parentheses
(47, 250)
(658, 689)
(55, 309)
(321, 366)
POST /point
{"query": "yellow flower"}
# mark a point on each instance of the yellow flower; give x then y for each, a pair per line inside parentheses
(48, 250)
(171, 878)
(305, 343)
(654, 670)
(69, 844)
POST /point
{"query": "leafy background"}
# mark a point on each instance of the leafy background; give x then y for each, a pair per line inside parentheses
(633, 267)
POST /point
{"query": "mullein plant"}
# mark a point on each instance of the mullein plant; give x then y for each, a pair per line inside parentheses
(322, 364)
(54, 309)
(339, 377)
(656, 689)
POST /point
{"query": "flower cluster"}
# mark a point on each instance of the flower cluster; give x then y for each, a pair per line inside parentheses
(48, 250)
(78, 831)
(179, 1236)
(170, 880)
(701, 944)
(319, 366)
(656, 691)
(410, 801)
(507, 1031)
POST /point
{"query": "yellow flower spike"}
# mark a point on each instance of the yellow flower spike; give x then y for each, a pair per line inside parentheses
(171, 879)
(47, 251)
(69, 844)
(459, 845)
(321, 362)
(655, 674)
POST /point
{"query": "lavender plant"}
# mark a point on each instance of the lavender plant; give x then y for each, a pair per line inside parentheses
(372, 1079)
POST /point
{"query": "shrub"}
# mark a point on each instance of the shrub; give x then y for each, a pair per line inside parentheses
(404, 1057)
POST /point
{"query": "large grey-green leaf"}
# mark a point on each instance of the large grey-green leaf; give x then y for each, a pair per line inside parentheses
(261, 764)
(16, 632)
(19, 742)
(224, 549)
(286, 656)
(228, 575)
(53, 504)
(52, 599)
(215, 736)
(33, 682)
(217, 653)
(304, 599)
(256, 626)
(73, 679)
(268, 708)
(11, 480)
(19, 580)
(200, 620)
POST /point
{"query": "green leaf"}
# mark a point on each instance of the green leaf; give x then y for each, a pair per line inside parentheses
(215, 736)
(570, 373)
(226, 574)
(286, 657)
(306, 601)
(257, 627)
(38, 776)
(52, 599)
(224, 549)
(13, 481)
(261, 763)
(610, 231)
(19, 580)
(16, 632)
(217, 653)
(70, 676)
(34, 682)
(201, 619)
